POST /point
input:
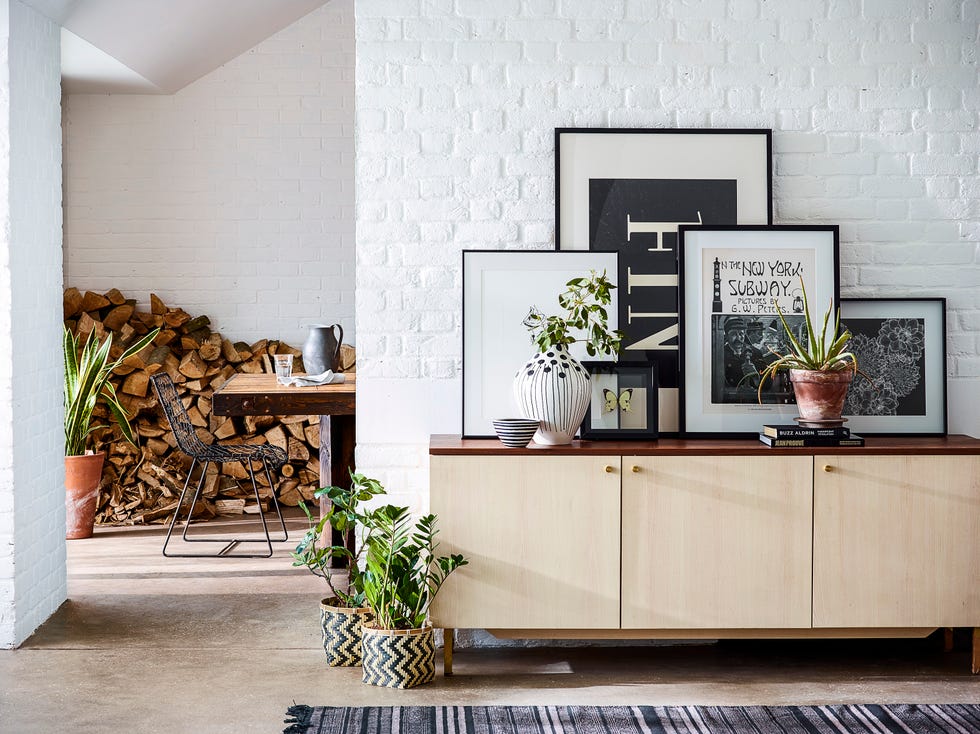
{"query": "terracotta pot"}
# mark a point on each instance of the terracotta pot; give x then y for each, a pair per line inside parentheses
(397, 658)
(83, 474)
(341, 628)
(820, 395)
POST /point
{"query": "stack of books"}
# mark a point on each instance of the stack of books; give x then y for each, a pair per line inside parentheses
(789, 436)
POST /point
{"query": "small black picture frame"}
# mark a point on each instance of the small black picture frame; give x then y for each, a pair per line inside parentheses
(623, 404)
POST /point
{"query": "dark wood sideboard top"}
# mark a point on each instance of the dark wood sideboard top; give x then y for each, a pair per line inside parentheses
(453, 445)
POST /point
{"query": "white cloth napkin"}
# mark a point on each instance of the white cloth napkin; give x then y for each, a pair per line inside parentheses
(324, 378)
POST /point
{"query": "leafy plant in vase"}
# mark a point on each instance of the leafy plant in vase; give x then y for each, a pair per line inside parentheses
(87, 373)
(344, 611)
(820, 368)
(553, 387)
(402, 578)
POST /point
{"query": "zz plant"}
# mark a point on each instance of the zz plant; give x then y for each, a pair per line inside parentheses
(584, 303)
(87, 382)
(403, 574)
(344, 515)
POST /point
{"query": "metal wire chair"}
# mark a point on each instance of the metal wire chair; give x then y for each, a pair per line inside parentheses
(201, 453)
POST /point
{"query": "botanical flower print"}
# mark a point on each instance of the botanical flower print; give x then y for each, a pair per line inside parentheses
(890, 352)
(901, 337)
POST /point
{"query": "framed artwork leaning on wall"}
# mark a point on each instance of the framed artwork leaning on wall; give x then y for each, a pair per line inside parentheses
(900, 344)
(628, 190)
(732, 279)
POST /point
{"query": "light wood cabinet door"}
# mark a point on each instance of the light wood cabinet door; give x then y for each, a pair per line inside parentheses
(716, 542)
(896, 541)
(542, 537)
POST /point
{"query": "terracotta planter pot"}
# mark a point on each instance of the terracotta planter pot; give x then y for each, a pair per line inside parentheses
(397, 658)
(341, 628)
(83, 474)
(820, 395)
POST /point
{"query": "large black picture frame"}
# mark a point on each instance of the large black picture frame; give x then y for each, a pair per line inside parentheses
(718, 352)
(900, 344)
(628, 189)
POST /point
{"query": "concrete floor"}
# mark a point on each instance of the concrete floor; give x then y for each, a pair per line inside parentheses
(148, 644)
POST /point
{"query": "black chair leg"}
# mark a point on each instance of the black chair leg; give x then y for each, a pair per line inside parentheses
(229, 543)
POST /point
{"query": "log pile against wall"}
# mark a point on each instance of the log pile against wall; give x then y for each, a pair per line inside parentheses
(141, 484)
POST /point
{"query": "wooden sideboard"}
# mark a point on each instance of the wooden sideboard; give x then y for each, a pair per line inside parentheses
(709, 539)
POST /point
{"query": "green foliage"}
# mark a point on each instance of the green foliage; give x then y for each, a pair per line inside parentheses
(585, 304)
(344, 516)
(823, 352)
(87, 382)
(403, 574)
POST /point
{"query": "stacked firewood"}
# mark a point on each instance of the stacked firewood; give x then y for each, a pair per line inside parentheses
(141, 484)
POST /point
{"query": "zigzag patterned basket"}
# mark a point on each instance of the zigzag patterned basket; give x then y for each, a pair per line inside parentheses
(398, 658)
(341, 628)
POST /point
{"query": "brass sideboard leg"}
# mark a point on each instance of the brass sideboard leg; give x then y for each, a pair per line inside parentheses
(948, 639)
(975, 667)
(447, 651)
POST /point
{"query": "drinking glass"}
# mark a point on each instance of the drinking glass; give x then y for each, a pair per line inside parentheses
(284, 367)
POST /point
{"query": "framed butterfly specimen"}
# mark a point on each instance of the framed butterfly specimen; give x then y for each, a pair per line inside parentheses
(624, 401)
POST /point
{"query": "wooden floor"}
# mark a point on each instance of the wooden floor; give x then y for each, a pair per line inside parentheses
(148, 644)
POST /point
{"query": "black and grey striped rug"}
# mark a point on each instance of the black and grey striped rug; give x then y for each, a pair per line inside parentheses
(868, 718)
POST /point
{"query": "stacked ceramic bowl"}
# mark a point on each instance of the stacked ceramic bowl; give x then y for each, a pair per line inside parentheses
(515, 433)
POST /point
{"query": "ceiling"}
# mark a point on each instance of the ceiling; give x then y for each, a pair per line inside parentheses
(159, 46)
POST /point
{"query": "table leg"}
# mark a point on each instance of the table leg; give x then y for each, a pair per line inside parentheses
(975, 657)
(448, 636)
(337, 440)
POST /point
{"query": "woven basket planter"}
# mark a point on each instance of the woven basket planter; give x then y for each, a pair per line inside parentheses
(342, 632)
(398, 658)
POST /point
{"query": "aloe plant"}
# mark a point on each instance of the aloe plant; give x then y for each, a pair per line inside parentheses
(87, 382)
(823, 352)
(403, 574)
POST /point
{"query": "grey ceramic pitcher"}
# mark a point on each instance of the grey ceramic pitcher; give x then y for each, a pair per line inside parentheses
(321, 352)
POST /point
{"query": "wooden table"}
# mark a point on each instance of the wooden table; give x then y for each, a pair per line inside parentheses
(246, 394)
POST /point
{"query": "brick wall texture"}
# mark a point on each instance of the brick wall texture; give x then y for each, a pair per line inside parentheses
(233, 197)
(32, 498)
(874, 106)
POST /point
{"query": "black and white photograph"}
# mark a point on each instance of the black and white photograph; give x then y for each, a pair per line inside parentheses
(623, 404)
(900, 346)
(629, 190)
(736, 283)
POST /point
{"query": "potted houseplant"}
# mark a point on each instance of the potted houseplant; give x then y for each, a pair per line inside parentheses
(86, 384)
(553, 387)
(402, 577)
(343, 612)
(819, 365)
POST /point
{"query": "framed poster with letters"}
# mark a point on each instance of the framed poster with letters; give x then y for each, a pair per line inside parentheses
(732, 280)
(629, 190)
(900, 344)
(499, 287)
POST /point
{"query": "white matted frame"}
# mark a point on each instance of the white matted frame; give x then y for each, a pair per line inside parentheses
(731, 279)
(499, 287)
(900, 343)
(629, 189)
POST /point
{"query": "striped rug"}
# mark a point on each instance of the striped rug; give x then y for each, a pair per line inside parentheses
(870, 719)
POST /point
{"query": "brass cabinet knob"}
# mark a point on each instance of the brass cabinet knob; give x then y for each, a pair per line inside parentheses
(635, 469)
(828, 468)
(608, 469)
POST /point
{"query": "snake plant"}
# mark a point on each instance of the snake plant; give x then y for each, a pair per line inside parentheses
(87, 381)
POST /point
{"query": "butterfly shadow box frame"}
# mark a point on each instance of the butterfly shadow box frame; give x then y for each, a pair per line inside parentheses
(623, 404)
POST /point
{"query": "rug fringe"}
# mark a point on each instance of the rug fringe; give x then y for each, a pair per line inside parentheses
(299, 719)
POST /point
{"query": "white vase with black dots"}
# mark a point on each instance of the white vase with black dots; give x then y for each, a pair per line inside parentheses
(554, 388)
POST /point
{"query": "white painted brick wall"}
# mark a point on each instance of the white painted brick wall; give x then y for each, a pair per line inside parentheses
(32, 495)
(874, 107)
(233, 197)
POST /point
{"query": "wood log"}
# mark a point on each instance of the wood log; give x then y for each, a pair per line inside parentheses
(176, 317)
(72, 302)
(277, 437)
(117, 317)
(157, 306)
(192, 366)
(138, 383)
(298, 451)
(230, 507)
(93, 301)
